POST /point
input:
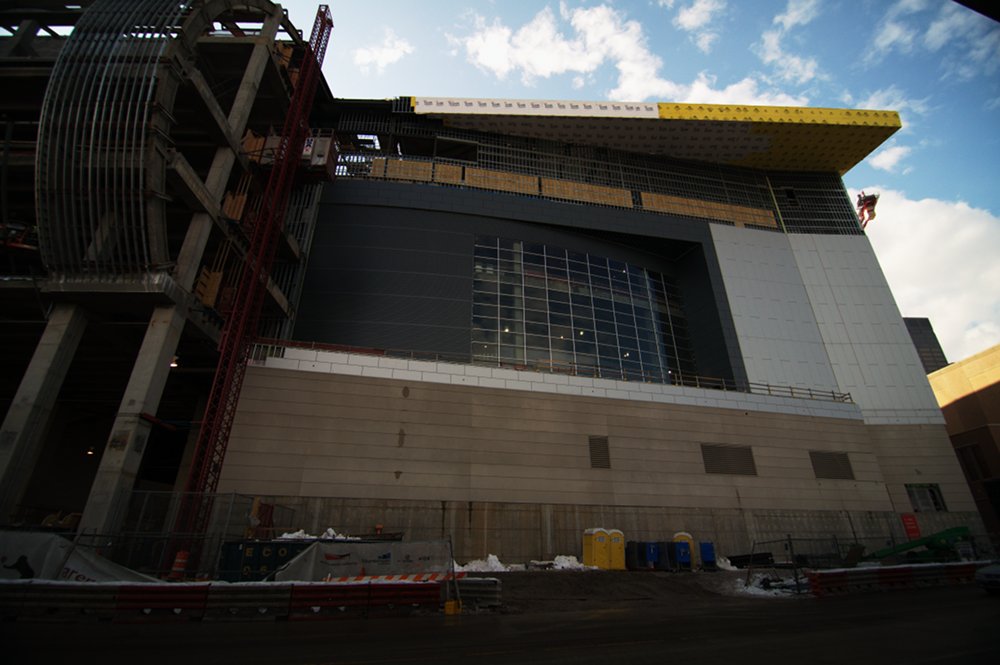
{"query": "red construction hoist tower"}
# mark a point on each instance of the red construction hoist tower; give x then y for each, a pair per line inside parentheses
(241, 327)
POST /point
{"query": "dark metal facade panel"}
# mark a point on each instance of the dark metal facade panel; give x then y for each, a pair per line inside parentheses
(600, 455)
(728, 459)
(392, 264)
(836, 466)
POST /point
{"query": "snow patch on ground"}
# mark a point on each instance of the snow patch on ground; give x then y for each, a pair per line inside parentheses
(329, 534)
(722, 563)
(492, 564)
(562, 562)
(770, 585)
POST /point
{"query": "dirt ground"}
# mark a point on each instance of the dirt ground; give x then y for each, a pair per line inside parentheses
(574, 590)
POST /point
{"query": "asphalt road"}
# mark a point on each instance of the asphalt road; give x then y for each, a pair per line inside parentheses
(940, 625)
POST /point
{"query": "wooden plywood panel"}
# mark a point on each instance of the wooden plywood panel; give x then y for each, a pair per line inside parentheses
(738, 215)
(398, 169)
(501, 181)
(448, 173)
(578, 191)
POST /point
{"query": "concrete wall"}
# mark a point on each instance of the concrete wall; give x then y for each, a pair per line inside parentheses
(318, 434)
(434, 449)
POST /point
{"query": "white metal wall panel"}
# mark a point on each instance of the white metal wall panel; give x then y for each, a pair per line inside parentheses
(866, 340)
(779, 339)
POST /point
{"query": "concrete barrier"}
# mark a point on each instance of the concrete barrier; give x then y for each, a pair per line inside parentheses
(888, 578)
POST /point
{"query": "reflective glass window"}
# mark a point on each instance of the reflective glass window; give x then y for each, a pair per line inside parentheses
(535, 303)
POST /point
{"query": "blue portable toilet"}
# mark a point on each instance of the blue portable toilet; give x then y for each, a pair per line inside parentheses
(632, 555)
(663, 555)
(680, 555)
(650, 555)
(641, 555)
(707, 552)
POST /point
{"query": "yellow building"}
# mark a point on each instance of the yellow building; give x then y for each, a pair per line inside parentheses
(969, 394)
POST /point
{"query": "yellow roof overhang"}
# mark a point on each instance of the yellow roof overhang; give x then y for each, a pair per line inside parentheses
(779, 138)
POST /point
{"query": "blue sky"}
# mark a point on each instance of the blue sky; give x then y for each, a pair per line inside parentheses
(937, 233)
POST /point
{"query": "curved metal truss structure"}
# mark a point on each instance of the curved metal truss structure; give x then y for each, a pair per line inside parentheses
(107, 138)
(164, 169)
(99, 197)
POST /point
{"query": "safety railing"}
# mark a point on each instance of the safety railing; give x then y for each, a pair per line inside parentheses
(271, 348)
(439, 172)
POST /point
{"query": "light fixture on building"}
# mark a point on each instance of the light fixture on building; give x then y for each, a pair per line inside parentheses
(173, 363)
(90, 451)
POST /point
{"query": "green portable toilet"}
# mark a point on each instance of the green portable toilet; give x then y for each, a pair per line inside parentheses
(616, 549)
(595, 548)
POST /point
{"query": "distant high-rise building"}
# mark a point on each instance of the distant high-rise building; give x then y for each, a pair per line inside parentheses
(928, 347)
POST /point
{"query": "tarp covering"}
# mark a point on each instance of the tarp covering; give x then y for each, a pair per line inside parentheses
(327, 560)
(49, 556)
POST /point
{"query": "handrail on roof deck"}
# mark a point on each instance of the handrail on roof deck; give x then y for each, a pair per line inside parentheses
(274, 348)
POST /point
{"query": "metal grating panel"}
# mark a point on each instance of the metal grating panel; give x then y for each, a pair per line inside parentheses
(735, 460)
(597, 175)
(99, 203)
(600, 456)
(835, 466)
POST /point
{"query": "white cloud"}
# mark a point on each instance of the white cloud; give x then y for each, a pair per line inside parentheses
(950, 24)
(894, 32)
(940, 260)
(892, 36)
(391, 50)
(697, 18)
(705, 40)
(798, 12)
(596, 36)
(894, 99)
(489, 47)
(789, 67)
(745, 91)
(698, 14)
(975, 40)
(889, 158)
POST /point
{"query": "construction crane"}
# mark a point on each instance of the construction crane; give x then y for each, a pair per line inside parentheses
(241, 327)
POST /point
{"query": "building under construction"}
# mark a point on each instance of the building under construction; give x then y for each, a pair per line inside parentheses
(234, 305)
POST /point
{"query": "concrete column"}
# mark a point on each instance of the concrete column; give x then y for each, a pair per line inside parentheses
(24, 428)
(116, 475)
(112, 488)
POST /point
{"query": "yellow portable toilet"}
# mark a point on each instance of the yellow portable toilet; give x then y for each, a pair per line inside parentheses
(616, 549)
(595, 548)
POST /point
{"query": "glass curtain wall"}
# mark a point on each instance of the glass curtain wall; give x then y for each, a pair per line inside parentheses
(547, 307)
